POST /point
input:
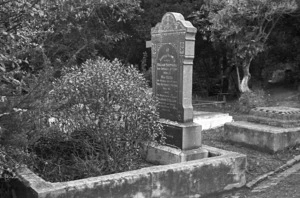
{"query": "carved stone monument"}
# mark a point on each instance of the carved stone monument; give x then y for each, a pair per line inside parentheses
(173, 41)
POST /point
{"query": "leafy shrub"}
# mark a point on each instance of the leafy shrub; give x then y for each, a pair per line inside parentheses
(19, 118)
(250, 100)
(100, 114)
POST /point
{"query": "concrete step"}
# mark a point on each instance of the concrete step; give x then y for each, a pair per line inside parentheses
(262, 137)
(210, 120)
(273, 121)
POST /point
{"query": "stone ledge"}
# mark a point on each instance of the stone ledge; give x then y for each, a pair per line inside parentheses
(274, 122)
(159, 154)
(282, 113)
(262, 137)
(211, 120)
(198, 178)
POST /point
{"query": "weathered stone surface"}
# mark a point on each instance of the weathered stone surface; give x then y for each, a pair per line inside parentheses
(211, 120)
(262, 137)
(268, 129)
(173, 43)
(159, 154)
(197, 178)
(182, 135)
(281, 113)
(273, 121)
(172, 64)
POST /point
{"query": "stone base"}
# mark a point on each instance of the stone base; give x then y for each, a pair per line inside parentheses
(158, 154)
(185, 136)
(262, 137)
(221, 171)
(211, 120)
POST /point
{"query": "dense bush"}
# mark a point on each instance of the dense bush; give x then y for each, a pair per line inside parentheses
(100, 114)
(19, 126)
(63, 33)
(84, 29)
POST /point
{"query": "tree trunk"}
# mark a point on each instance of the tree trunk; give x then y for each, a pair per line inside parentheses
(246, 77)
(238, 78)
(225, 71)
(244, 84)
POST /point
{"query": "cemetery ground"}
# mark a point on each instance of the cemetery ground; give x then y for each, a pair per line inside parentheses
(259, 163)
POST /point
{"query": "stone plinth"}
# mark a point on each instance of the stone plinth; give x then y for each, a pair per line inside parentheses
(159, 154)
(269, 129)
(182, 135)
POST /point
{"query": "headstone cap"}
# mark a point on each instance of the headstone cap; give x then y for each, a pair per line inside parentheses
(173, 21)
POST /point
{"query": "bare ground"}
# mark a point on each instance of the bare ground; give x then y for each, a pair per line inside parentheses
(259, 162)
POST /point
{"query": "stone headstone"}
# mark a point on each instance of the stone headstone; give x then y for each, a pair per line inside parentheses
(172, 64)
(173, 43)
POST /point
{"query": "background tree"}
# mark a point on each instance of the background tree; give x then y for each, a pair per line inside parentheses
(86, 29)
(36, 34)
(243, 26)
(22, 32)
(283, 52)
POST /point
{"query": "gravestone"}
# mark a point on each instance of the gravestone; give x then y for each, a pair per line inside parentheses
(173, 41)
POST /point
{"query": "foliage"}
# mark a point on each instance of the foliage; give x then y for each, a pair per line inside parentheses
(23, 28)
(283, 49)
(35, 34)
(243, 26)
(86, 29)
(6, 172)
(19, 127)
(20, 30)
(100, 114)
(246, 25)
(155, 9)
(250, 100)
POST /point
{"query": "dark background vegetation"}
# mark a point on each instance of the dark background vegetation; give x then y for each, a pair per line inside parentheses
(62, 33)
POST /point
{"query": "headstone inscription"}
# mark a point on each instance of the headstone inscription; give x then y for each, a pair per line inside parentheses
(173, 42)
(172, 61)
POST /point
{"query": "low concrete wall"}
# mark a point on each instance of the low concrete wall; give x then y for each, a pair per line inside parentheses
(198, 178)
(262, 137)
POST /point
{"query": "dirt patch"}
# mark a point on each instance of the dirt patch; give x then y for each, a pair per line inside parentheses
(258, 162)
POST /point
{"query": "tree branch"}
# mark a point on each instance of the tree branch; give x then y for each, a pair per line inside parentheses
(271, 29)
(73, 58)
